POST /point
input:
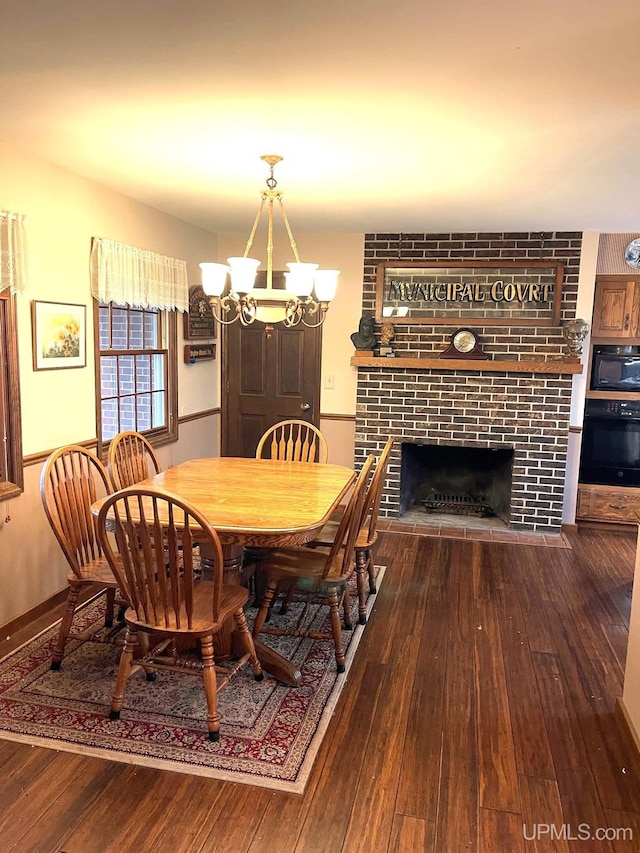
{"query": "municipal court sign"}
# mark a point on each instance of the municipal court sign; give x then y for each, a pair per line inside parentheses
(509, 293)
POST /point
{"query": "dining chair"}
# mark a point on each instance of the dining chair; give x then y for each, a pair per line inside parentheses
(148, 537)
(319, 577)
(367, 535)
(293, 441)
(131, 459)
(288, 441)
(72, 479)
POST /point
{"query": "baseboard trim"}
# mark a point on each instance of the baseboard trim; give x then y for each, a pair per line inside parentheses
(609, 526)
(46, 606)
(625, 720)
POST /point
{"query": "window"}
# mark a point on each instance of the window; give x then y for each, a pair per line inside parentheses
(136, 364)
(11, 477)
(136, 367)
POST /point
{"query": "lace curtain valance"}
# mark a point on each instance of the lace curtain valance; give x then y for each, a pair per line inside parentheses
(13, 252)
(136, 277)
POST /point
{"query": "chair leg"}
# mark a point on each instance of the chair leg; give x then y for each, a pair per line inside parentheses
(267, 599)
(346, 609)
(247, 641)
(108, 615)
(210, 687)
(124, 668)
(372, 574)
(336, 629)
(361, 572)
(288, 597)
(65, 626)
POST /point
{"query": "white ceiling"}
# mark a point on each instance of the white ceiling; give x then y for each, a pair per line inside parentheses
(398, 115)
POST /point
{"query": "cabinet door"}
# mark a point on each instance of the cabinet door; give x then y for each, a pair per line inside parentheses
(616, 504)
(616, 308)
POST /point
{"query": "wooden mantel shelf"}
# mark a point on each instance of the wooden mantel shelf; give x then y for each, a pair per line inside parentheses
(553, 367)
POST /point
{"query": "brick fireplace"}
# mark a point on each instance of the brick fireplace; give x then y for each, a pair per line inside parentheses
(525, 413)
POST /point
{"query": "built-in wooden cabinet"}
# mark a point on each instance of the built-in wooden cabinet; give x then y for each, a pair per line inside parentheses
(616, 309)
(620, 504)
(616, 319)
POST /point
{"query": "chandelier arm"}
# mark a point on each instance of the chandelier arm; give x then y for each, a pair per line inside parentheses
(255, 225)
(292, 242)
(314, 307)
(247, 311)
(225, 303)
(294, 311)
(314, 325)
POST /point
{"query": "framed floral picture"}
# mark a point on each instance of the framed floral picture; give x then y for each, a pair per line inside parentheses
(59, 335)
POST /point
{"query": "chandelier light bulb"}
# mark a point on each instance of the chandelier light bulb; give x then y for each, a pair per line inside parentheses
(243, 273)
(326, 284)
(214, 278)
(300, 278)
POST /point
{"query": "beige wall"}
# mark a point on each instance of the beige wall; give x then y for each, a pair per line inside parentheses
(63, 213)
(341, 439)
(584, 309)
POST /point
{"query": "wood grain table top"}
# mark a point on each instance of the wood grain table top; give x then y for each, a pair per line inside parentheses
(259, 501)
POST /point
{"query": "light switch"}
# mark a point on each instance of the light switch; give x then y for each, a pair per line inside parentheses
(330, 381)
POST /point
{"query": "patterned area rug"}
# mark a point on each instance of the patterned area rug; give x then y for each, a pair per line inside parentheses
(269, 733)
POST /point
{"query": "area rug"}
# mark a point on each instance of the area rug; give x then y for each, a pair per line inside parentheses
(269, 733)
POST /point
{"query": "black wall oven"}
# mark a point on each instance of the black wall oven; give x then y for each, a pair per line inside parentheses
(610, 453)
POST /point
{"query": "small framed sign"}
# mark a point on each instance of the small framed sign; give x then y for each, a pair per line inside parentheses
(199, 352)
(199, 322)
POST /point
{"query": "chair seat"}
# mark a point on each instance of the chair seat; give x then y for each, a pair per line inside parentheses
(305, 564)
(98, 571)
(329, 531)
(231, 599)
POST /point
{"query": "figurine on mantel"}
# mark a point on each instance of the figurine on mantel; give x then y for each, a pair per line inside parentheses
(574, 333)
(364, 339)
(387, 334)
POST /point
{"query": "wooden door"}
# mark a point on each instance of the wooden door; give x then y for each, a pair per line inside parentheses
(616, 309)
(268, 375)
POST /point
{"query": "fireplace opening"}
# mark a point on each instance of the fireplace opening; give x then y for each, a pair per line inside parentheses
(461, 481)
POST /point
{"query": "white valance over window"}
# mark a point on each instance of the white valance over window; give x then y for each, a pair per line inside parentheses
(13, 252)
(136, 277)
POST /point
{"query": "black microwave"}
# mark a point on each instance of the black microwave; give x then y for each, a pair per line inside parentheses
(615, 368)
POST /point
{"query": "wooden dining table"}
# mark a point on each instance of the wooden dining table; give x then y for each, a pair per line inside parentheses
(261, 503)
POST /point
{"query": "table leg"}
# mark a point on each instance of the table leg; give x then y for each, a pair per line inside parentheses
(225, 642)
(232, 568)
(280, 668)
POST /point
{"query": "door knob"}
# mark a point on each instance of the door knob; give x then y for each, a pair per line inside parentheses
(305, 406)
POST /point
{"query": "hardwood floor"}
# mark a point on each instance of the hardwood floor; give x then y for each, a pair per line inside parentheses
(479, 715)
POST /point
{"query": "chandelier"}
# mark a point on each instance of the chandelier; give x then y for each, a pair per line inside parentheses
(308, 292)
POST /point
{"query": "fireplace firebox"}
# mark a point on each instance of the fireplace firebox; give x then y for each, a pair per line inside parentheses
(454, 480)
